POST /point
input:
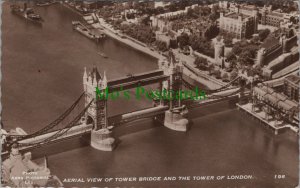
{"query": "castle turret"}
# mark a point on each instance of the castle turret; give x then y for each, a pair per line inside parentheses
(46, 164)
(219, 52)
(255, 16)
(15, 152)
(264, 15)
(237, 9)
(89, 80)
(102, 84)
(261, 56)
(94, 80)
(85, 79)
(283, 41)
(221, 14)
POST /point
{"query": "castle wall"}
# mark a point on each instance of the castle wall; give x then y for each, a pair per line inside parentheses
(291, 42)
(272, 54)
(264, 58)
(281, 62)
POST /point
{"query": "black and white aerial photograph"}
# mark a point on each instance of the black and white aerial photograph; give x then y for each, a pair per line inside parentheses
(150, 93)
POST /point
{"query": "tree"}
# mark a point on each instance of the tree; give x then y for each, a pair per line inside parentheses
(140, 32)
(201, 45)
(197, 10)
(172, 7)
(225, 77)
(162, 46)
(211, 68)
(214, 16)
(217, 73)
(190, 13)
(294, 20)
(160, 10)
(255, 40)
(183, 40)
(263, 34)
(215, 8)
(244, 57)
(233, 74)
(212, 32)
(257, 70)
(228, 41)
(145, 20)
(246, 52)
(219, 37)
(117, 22)
(236, 49)
(130, 16)
(201, 63)
(230, 56)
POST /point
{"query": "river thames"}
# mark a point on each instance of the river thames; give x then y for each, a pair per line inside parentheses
(42, 70)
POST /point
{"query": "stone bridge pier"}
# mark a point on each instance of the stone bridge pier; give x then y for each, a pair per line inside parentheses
(175, 117)
(101, 135)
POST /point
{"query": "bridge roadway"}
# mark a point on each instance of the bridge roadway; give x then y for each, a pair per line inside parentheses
(214, 98)
(117, 120)
(133, 81)
(202, 75)
(279, 81)
(75, 131)
(83, 128)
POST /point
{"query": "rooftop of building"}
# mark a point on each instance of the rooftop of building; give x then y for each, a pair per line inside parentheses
(235, 15)
(278, 60)
(249, 7)
(276, 14)
(276, 98)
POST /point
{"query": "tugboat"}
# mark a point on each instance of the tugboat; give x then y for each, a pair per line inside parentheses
(81, 28)
(27, 13)
(102, 54)
(45, 3)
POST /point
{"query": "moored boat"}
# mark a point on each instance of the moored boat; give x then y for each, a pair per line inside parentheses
(81, 28)
(45, 3)
(27, 13)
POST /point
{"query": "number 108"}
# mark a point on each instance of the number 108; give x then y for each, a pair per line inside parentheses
(279, 176)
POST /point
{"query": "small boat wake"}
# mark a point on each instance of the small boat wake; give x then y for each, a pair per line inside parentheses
(102, 54)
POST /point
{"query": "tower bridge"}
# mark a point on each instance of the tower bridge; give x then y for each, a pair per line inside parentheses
(93, 119)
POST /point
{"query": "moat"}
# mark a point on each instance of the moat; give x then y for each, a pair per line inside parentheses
(42, 71)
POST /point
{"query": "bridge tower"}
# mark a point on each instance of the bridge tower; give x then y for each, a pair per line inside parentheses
(261, 55)
(163, 64)
(101, 136)
(175, 117)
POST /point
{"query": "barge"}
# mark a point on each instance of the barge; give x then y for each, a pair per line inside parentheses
(81, 28)
(45, 3)
(27, 13)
